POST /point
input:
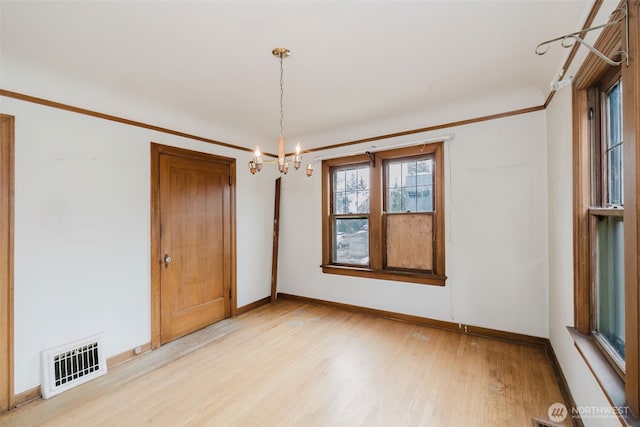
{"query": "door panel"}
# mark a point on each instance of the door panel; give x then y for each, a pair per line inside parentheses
(196, 235)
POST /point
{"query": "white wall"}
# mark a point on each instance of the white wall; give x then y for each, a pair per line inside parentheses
(82, 231)
(583, 385)
(496, 233)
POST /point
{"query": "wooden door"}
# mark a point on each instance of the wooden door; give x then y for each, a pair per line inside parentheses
(195, 244)
(6, 262)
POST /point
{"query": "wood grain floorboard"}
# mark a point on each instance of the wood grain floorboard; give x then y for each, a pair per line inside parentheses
(297, 364)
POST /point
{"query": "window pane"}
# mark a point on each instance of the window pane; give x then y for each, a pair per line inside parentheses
(409, 241)
(395, 201)
(614, 145)
(340, 200)
(614, 114)
(610, 282)
(351, 241)
(339, 180)
(424, 199)
(351, 190)
(409, 186)
(614, 176)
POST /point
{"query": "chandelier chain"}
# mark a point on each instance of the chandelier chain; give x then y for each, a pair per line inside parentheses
(281, 96)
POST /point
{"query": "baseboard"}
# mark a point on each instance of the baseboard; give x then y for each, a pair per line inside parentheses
(425, 321)
(127, 355)
(28, 396)
(564, 386)
(253, 305)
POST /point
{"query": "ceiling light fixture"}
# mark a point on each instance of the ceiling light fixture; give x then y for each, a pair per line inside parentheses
(255, 165)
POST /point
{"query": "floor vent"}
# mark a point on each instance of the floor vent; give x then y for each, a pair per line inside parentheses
(72, 364)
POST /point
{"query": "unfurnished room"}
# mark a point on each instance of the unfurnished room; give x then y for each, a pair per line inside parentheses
(320, 213)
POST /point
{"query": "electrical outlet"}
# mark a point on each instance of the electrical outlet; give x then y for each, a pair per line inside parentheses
(137, 350)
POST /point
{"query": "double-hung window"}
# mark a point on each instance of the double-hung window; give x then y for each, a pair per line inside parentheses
(350, 214)
(383, 215)
(606, 218)
(408, 213)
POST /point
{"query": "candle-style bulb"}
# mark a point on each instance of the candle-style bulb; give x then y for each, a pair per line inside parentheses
(297, 158)
(258, 159)
(309, 170)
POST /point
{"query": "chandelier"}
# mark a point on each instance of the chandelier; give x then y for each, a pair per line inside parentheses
(283, 162)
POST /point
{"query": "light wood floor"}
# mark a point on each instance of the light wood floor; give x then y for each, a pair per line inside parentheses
(296, 364)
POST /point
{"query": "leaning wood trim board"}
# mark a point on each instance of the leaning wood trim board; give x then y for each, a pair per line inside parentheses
(276, 241)
(7, 138)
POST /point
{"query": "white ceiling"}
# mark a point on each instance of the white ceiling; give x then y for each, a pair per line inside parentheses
(353, 63)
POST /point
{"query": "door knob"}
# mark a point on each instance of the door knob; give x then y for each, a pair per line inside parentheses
(167, 260)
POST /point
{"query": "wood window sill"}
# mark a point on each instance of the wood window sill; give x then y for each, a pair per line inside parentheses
(399, 276)
(605, 375)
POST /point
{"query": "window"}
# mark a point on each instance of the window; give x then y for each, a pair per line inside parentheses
(606, 217)
(383, 215)
(350, 215)
(408, 209)
(606, 230)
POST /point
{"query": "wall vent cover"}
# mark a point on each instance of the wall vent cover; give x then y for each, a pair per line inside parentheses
(72, 364)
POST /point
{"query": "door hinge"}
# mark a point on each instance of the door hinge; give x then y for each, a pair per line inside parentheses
(230, 297)
(590, 113)
(229, 180)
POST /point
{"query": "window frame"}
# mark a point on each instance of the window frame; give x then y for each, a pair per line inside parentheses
(377, 240)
